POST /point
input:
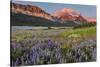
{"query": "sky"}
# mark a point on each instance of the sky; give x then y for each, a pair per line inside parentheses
(85, 10)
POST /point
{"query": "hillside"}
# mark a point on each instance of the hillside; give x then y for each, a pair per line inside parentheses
(18, 19)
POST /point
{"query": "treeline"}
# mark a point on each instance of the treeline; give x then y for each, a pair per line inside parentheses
(85, 24)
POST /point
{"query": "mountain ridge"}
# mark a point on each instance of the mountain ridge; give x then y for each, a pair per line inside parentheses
(30, 10)
(62, 16)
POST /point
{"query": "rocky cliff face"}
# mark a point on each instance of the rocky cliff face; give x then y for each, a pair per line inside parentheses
(30, 10)
(69, 14)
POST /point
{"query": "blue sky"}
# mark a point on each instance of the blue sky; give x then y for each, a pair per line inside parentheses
(85, 10)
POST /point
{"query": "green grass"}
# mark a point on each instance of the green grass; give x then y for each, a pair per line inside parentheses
(80, 33)
(21, 35)
(71, 35)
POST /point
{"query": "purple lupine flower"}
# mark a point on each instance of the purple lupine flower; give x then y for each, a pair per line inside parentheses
(50, 43)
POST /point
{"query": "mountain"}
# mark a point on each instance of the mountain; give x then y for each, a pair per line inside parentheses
(34, 16)
(67, 14)
(91, 20)
(30, 10)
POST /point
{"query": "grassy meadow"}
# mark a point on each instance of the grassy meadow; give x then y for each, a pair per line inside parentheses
(52, 46)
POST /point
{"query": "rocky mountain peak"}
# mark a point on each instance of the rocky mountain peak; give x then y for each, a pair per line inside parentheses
(30, 10)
